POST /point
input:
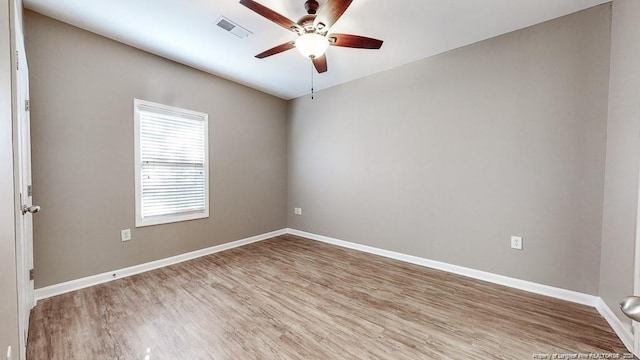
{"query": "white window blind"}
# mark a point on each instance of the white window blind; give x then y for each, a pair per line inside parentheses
(171, 164)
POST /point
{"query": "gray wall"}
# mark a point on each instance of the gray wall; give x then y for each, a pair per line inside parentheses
(623, 153)
(8, 289)
(82, 91)
(445, 158)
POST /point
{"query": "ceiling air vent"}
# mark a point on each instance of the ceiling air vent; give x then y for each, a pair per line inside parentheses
(232, 27)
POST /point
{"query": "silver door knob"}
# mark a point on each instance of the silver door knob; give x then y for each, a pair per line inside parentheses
(630, 306)
(30, 209)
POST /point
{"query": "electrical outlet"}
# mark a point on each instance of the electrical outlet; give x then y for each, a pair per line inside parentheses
(516, 242)
(297, 211)
(9, 353)
(125, 235)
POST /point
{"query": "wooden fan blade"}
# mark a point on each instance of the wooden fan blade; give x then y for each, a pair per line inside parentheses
(271, 15)
(320, 63)
(354, 41)
(331, 12)
(276, 50)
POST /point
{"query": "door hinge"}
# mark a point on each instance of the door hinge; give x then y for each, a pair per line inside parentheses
(31, 274)
(17, 60)
(27, 105)
(30, 190)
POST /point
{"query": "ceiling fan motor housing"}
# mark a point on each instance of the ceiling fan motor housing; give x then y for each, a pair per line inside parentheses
(307, 23)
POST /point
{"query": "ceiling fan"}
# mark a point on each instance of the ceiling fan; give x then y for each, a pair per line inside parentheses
(312, 30)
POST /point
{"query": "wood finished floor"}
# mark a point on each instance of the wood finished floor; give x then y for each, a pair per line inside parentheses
(292, 298)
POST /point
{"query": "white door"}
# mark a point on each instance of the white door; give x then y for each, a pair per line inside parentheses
(24, 217)
(636, 285)
(636, 282)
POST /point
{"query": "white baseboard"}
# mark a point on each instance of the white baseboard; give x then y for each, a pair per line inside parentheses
(77, 284)
(623, 331)
(559, 293)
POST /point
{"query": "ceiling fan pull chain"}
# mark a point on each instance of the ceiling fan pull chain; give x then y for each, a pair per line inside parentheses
(311, 81)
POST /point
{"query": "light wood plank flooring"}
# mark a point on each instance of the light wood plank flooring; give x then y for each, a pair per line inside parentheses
(293, 298)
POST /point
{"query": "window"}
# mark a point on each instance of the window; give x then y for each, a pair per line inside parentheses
(172, 164)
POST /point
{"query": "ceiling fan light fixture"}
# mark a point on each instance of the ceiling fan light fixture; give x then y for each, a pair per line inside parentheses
(312, 45)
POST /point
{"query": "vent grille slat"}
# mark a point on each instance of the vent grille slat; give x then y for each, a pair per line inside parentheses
(226, 25)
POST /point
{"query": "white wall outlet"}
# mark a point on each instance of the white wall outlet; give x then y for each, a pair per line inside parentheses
(9, 353)
(125, 235)
(516, 242)
(297, 211)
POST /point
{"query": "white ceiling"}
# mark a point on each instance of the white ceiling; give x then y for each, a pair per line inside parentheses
(186, 31)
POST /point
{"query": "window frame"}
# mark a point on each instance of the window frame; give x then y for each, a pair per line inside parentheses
(168, 112)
